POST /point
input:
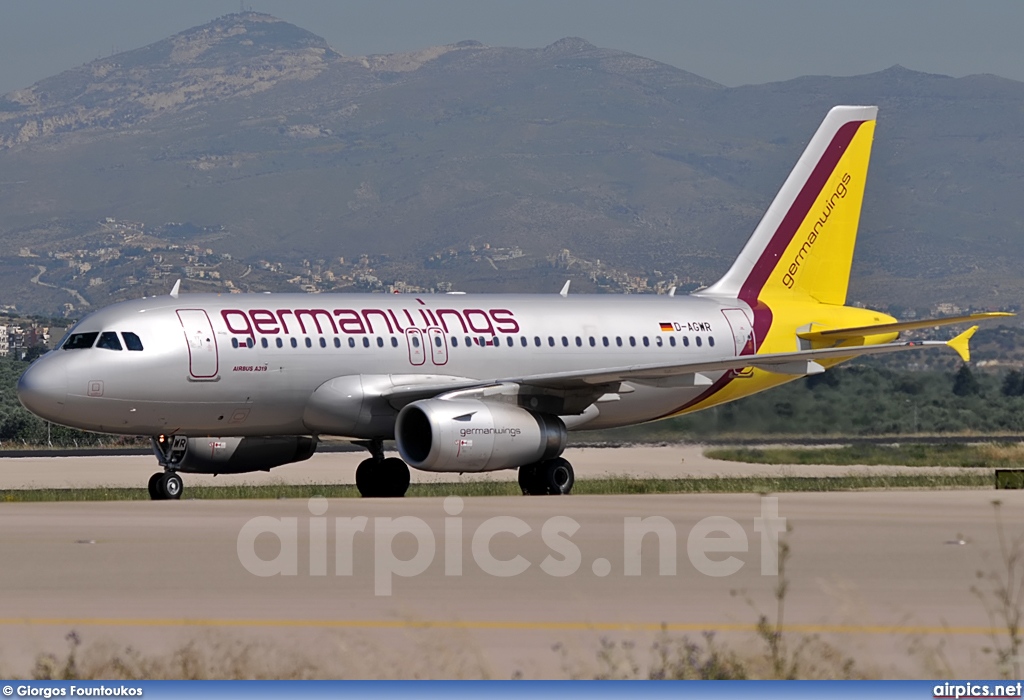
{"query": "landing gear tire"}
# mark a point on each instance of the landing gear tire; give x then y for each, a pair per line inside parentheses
(154, 487)
(170, 484)
(554, 477)
(385, 478)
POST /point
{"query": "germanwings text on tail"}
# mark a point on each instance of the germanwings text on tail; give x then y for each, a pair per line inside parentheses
(472, 383)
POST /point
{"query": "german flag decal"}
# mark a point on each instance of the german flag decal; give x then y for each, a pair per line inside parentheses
(667, 327)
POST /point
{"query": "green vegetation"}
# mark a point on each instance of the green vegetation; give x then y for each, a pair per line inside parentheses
(932, 455)
(864, 399)
(584, 487)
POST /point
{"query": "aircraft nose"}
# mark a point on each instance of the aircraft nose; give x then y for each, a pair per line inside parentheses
(43, 389)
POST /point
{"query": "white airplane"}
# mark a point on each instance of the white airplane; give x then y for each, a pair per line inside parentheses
(477, 382)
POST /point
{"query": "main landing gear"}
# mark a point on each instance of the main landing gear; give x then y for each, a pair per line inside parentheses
(165, 486)
(379, 476)
(552, 477)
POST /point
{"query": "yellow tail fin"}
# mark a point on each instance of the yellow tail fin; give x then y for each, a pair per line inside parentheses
(803, 246)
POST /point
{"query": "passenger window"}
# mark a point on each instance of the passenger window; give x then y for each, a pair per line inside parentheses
(647, 343)
(415, 342)
(604, 341)
(522, 340)
(394, 342)
(280, 343)
(565, 342)
(536, 340)
(551, 341)
(593, 343)
(109, 341)
(249, 342)
(509, 339)
(295, 343)
(698, 341)
(80, 341)
(309, 342)
(658, 341)
(131, 341)
(632, 342)
(437, 341)
(455, 341)
(380, 342)
(686, 341)
(263, 342)
(366, 342)
(579, 342)
(711, 341)
(337, 342)
(351, 342)
(672, 340)
(323, 342)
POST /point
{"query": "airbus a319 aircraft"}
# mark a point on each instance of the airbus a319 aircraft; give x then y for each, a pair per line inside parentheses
(477, 382)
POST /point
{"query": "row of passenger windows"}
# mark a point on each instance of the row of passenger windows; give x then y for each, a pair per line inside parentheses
(485, 341)
(107, 340)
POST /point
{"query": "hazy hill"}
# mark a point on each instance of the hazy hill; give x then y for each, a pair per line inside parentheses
(255, 125)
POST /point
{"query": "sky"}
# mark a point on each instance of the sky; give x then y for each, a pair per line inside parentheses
(733, 42)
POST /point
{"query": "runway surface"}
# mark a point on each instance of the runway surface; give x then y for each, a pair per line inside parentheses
(884, 576)
(662, 462)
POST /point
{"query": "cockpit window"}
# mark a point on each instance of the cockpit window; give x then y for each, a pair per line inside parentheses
(80, 341)
(132, 341)
(109, 341)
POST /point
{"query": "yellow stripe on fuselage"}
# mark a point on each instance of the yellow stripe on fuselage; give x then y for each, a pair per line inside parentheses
(787, 319)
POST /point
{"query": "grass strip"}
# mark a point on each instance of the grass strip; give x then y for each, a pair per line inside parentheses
(1003, 456)
(585, 487)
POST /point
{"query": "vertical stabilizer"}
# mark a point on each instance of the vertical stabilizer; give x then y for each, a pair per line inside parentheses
(803, 246)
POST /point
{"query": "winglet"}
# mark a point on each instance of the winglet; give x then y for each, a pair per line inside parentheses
(175, 288)
(960, 344)
(565, 289)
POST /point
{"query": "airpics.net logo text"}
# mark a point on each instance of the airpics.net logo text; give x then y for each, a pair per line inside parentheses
(712, 545)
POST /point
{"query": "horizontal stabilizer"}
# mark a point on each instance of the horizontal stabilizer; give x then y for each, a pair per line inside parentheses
(883, 328)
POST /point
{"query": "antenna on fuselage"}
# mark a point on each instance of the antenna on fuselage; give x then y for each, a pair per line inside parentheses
(565, 289)
(175, 288)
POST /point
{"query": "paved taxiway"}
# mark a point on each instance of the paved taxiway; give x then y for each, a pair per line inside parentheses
(873, 572)
(662, 462)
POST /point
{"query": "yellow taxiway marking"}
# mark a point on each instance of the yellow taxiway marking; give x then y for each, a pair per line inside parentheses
(491, 625)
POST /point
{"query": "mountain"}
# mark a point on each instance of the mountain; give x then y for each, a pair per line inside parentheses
(265, 144)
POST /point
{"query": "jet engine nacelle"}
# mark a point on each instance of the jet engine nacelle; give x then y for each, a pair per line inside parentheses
(231, 455)
(462, 435)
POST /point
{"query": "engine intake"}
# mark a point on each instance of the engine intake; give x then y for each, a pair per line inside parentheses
(475, 436)
(231, 455)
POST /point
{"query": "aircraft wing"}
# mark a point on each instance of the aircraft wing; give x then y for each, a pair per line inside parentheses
(801, 362)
